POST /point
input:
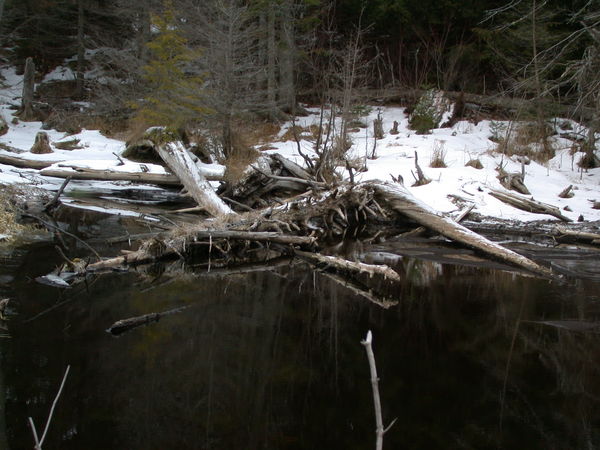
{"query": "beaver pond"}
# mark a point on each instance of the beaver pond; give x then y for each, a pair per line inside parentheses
(471, 356)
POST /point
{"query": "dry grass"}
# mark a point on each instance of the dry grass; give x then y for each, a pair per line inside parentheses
(256, 133)
(475, 163)
(311, 133)
(8, 214)
(527, 139)
(241, 157)
(438, 155)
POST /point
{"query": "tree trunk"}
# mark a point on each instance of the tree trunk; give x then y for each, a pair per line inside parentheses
(27, 113)
(403, 202)
(79, 90)
(287, 92)
(144, 32)
(271, 62)
(180, 162)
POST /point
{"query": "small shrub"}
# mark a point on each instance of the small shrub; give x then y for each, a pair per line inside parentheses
(429, 111)
(498, 130)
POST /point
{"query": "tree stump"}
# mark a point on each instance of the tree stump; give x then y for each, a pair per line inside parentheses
(41, 144)
(394, 129)
(378, 127)
(3, 127)
(27, 112)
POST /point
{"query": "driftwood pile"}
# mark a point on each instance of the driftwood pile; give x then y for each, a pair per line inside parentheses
(277, 210)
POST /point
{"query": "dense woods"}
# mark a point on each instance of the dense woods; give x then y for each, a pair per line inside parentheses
(174, 62)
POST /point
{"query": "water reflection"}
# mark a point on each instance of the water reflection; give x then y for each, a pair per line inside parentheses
(272, 359)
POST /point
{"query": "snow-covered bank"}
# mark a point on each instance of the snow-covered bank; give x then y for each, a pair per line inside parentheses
(394, 156)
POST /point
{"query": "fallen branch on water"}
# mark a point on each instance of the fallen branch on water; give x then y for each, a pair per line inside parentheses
(121, 326)
(325, 262)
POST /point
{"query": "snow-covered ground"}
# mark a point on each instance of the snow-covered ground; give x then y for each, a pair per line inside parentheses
(394, 156)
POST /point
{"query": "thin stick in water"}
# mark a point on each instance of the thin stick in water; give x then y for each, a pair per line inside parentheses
(379, 431)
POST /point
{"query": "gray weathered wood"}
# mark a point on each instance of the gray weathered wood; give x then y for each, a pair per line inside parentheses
(403, 202)
(529, 205)
(179, 160)
(27, 112)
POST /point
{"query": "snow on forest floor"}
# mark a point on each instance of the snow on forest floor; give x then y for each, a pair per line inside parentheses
(394, 156)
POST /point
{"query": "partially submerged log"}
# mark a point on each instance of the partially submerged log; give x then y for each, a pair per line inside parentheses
(403, 202)
(326, 262)
(121, 326)
(159, 248)
(529, 205)
(570, 236)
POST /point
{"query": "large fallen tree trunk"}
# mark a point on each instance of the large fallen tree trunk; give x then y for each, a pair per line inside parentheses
(79, 173)
(175, 155)
(403, 202)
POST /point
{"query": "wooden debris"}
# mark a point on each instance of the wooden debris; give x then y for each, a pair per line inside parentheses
(85, 173)
(529, 205)
(156, 248)
(17, 161)
(567, 192)
(569, 236)
(121, 326)
(403, 202)
(325, 262)
(179, 160)
(513, 181)
(422, 179)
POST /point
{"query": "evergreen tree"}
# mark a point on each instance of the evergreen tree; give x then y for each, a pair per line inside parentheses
(173, 97)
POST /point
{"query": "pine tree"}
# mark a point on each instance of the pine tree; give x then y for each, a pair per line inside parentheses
(173, 97)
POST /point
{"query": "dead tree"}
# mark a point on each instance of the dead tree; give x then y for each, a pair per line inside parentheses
(27, 113)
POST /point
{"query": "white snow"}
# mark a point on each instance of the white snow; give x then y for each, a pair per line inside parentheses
(461, 143)
(394, 156)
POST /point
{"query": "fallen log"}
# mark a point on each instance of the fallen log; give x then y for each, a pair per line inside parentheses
(80, 173)
(157, 248)
(404, 203)
(325, 262)
(179, 160)
(529, 205)
(292, 167)
(569, 236)
(121, 326)
(17, 161)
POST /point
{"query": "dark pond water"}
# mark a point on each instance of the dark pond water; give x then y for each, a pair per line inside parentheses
(272, 359)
